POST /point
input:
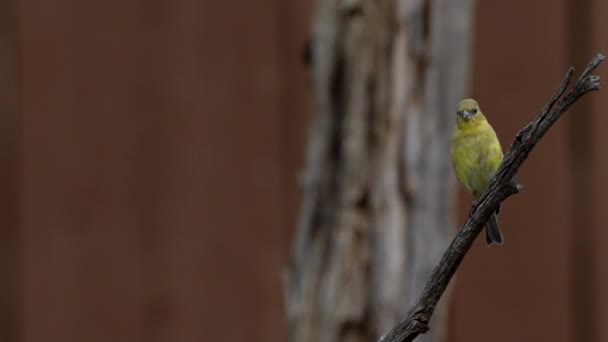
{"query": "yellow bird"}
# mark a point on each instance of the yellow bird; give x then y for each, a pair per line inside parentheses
(476, 155)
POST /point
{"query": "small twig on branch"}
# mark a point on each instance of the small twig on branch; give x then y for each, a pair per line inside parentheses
(501, 187)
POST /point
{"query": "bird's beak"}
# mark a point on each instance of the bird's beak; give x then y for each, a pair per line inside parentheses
(465, 114)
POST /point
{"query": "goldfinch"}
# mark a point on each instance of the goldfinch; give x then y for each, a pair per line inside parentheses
(476, 155)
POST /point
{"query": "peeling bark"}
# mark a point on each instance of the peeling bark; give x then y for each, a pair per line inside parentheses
(377, 196)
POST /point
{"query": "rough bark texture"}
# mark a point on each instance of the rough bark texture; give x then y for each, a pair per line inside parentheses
(377, 188)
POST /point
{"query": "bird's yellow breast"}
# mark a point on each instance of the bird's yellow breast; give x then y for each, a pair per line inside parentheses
(476, 154)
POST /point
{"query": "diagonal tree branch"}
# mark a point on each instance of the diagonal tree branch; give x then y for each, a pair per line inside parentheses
(501, 187)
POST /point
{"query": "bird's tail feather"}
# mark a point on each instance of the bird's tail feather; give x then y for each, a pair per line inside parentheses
(493, 234)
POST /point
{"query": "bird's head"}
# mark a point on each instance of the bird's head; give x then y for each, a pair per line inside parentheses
(468, 109)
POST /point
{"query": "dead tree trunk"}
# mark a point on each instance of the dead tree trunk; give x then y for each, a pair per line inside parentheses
(378, 191)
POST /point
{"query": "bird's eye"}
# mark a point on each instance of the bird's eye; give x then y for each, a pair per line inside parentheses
(474, 111)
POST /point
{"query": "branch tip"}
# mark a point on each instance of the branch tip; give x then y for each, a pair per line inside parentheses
(599, 58)
(596, 60)
(569, 73)
(556, 95)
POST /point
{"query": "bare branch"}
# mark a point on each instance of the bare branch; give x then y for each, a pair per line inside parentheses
(501, 187)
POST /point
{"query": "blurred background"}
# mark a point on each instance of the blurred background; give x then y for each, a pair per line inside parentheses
(151, 154)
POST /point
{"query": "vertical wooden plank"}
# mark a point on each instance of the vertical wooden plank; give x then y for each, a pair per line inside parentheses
(11, 322)
(583, 269)
(90, 157)
(599, 193)
(520, 291)
(151, 171)
(293, 21)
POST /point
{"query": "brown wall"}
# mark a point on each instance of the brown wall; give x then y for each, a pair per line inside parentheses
(154, 188)
(150, 152)
(11, 246)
